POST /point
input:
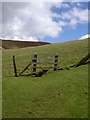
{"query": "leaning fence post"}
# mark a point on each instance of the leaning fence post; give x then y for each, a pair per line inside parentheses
(56, 62)
(14, 64)
(35, 62)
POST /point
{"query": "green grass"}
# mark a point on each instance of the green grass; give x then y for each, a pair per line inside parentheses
(61, 94)
(57, 95)
(69, 53)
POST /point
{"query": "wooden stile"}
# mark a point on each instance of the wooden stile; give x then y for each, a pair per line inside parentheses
(35, 66)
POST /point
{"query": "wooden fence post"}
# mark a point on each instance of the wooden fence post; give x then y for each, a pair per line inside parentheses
(34, 62)
(14, 64)
(56, 62)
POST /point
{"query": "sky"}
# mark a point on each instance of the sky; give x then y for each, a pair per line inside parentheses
(44, 21)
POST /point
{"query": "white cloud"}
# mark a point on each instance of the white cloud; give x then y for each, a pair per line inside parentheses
(30, 21)
(85, 36)
(80, 14)
(61, 5)
(26, 39)
(75, 16)
(73, 23)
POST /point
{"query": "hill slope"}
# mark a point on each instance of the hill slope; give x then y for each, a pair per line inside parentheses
(61, 94)
(69, 53)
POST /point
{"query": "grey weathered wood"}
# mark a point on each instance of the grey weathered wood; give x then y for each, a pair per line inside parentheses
(34, 62)
(56, 62)
(14, 64)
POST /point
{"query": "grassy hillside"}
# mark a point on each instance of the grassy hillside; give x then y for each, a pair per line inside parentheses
(61, 94)
(69, 53)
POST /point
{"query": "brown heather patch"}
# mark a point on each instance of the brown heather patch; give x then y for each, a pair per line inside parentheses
(9, 44)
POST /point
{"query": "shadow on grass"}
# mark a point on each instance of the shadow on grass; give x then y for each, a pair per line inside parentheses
(39, 74)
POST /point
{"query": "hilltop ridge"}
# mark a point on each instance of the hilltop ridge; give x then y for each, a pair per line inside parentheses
(10, 44)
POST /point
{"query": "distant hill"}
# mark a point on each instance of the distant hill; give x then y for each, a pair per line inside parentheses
(10, 44)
